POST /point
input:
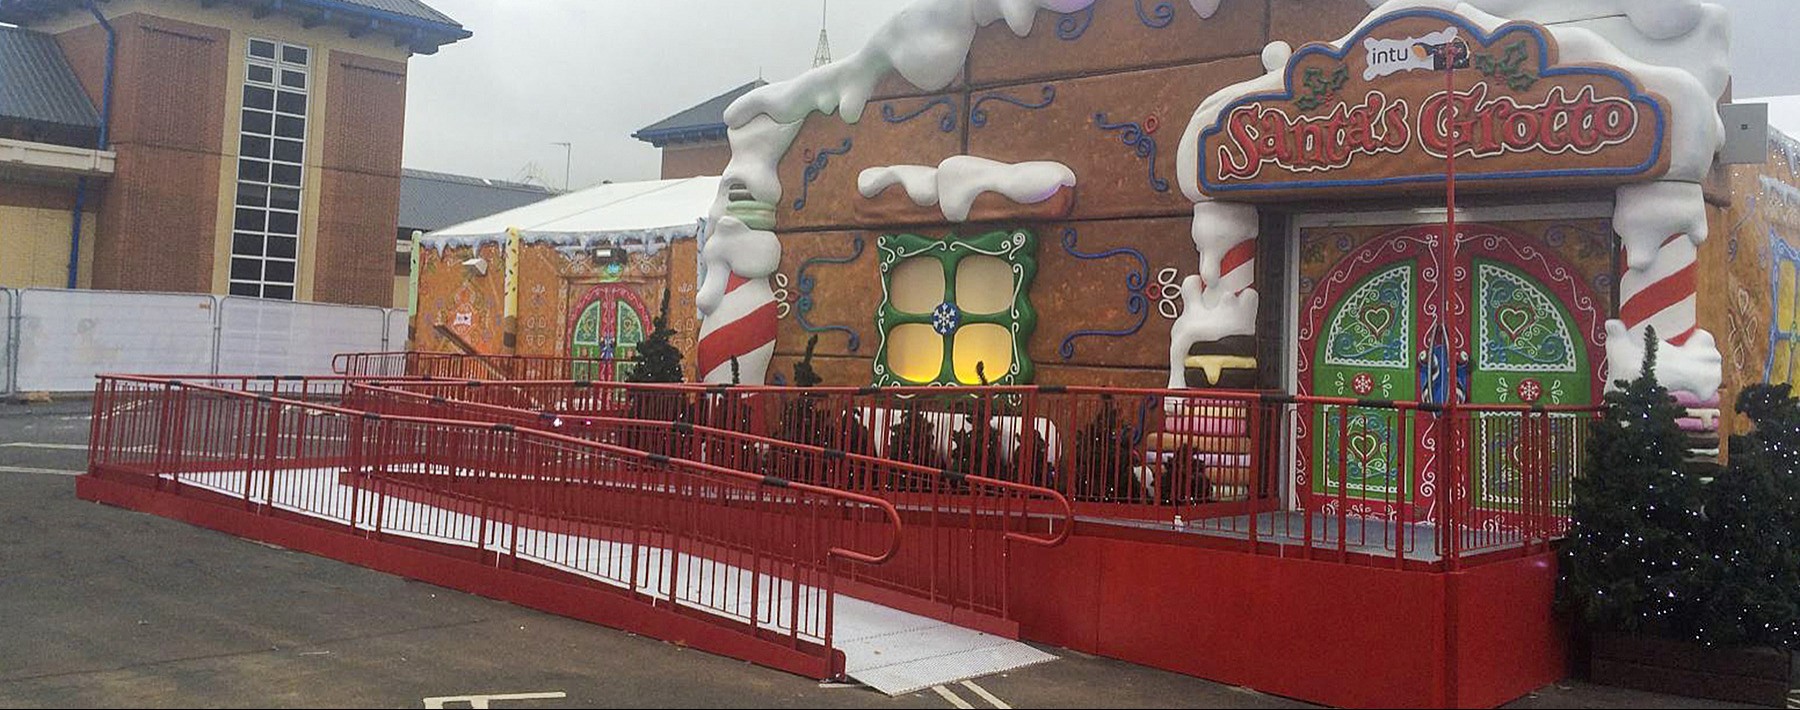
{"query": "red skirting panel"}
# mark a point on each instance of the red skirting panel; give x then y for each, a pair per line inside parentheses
(1508, 639)
(1324, 632)
(606, 607)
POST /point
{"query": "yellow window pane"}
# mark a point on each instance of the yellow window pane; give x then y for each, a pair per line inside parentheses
(1784, 356)
(917, 285)
(1784, 297)
(915, 352)
(984, 343)
(984, 284)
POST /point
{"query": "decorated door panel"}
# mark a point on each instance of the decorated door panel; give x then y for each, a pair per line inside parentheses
(1538, 333)
(1366, 353)
(1369, 330)
(608, 324)
(1362, 331)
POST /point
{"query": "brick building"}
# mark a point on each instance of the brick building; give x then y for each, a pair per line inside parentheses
(242, 147)
(693, 140)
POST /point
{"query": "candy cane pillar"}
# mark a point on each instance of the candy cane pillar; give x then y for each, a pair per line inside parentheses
(737, 305)
(1660, 227)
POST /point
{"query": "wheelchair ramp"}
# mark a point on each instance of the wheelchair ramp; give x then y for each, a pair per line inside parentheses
(893, 651)
(897, 653)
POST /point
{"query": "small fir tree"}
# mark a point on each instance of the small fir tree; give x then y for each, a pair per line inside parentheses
(802, 422)
(1633, 561)
(658, 359)
(913, 437)
(976, 450)
(1106, 453)
(1753, 589)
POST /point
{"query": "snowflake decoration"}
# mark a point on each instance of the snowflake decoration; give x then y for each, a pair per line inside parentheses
(1362, 383)
(945, 318)
(1530, 391)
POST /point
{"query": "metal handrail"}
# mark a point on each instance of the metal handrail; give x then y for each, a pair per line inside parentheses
(888, 509)
(1060, 500)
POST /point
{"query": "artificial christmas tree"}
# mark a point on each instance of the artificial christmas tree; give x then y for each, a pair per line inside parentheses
(1752, 589)
(1672, 576)
(658, 360)
(1107, 447)
(1633, 560)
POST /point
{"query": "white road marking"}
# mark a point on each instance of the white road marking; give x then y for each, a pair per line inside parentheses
(953, 698)
(46, 471)
(36, 445)
(985, 695)
(480, 702)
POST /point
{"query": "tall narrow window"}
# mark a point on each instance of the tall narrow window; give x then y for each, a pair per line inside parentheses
(265, 232)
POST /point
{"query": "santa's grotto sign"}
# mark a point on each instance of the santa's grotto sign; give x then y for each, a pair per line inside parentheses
(1379, 115)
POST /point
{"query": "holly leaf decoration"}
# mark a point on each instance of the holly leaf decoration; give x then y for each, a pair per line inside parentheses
(1508, 67)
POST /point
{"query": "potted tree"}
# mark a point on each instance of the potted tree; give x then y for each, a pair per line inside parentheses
(1681, 584)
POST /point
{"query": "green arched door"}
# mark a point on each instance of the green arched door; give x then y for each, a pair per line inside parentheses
(609, 325)
(1367, 332)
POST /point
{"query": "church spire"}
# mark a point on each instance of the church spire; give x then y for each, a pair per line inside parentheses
(822, 55)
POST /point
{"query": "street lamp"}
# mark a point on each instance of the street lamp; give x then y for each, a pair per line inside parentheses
(568, 153)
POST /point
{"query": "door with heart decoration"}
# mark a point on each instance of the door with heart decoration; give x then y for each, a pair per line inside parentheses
(607, 323)
(1539, 335)
(1366, 330)
(1360, 331)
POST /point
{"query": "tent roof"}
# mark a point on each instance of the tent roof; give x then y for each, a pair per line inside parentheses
(650, 205)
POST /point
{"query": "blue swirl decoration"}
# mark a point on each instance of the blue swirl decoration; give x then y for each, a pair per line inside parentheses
(815, 164)
(1159, 15)
(805, 284)
(979, 117)
(1072, 25)
(1139, 140)
(945, 124)
(1136, 303)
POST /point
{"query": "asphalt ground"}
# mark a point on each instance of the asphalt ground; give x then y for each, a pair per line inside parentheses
(103, 607)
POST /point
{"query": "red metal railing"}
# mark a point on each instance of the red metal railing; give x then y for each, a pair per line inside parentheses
(489, 367)
(959, 526)
(758, 555)
(1359, 481)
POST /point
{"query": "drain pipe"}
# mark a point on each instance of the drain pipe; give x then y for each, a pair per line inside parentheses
(106, 89)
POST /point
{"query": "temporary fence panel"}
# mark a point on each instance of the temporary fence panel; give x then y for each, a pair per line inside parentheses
(65, 338)
(397, 323)
(257, 335)
(8, 321)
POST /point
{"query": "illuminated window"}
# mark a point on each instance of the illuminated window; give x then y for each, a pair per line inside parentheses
(953, 303)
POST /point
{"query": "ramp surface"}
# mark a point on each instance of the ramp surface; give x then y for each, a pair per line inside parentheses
(892, 651)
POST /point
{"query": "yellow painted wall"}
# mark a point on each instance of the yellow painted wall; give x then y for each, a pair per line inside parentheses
(34, 248)
(400, 291)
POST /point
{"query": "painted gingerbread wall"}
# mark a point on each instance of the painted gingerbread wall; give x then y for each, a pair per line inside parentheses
(1105, 91)
(556, 285)
(1750, 275)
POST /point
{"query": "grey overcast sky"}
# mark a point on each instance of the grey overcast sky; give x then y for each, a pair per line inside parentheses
(589, 72)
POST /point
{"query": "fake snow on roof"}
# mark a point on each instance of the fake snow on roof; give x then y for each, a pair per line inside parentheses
(927, 43)
(1675, 48)
(637, 216)
(955, 183)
